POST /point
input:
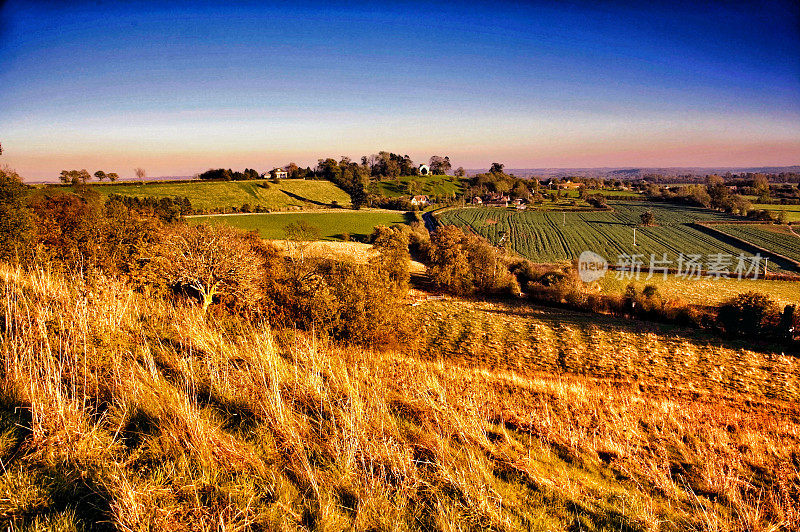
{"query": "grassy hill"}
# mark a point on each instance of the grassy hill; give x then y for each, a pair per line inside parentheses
(332, 224)
(225, 194)
(140, 414)
(430, 185)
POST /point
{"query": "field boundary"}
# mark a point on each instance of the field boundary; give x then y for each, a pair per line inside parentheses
(771, 254)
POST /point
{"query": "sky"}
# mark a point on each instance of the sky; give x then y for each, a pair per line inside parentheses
(177, 88)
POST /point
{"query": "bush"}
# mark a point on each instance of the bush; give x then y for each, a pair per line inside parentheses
(464, 263)
(750, 314)
(15, 217)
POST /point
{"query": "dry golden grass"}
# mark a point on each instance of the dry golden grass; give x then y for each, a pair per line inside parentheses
(124, 412)
(354, 251)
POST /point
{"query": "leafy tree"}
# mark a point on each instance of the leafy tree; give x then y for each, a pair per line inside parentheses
(460, 172)
(100, 175)
(140, 173)
(70, 228)
(449, 266)
(74, 177)
(393, 260)
(748, 315)
(497, 168)
(293, 171)
(761, 188)
(647, 218)
(439, 165)
(112, 176)
(15, 219)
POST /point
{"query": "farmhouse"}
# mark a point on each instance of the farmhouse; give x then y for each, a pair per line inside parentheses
(496, 200)
(420, 201)
(477, 200)
(278, 173)
(424, 169)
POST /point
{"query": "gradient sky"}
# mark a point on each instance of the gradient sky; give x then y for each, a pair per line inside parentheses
(177, 88)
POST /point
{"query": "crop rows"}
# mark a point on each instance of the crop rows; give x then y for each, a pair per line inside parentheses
(556, 236)
(779, 239)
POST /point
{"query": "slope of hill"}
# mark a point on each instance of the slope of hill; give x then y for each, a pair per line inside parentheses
(226, 194)
(433, 185)
(136, 414)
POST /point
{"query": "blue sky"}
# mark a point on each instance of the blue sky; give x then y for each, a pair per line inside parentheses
(180, 87)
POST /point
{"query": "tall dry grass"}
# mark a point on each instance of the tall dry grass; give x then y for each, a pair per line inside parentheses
(125, 412)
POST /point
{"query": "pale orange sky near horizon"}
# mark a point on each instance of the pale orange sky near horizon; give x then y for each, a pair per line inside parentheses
(46, 166)
(187, 147)
(178, 88)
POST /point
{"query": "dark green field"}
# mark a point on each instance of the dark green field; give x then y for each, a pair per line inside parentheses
(225, 194)
(557, 236)
(332, 225)
(778, 238)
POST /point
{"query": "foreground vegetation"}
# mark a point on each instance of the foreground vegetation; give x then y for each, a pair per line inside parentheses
(138, 414)
(157, 375)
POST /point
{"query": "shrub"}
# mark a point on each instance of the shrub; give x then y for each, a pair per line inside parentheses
(749, 314)
(15, 218)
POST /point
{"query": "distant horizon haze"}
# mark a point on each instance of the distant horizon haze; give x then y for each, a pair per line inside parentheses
(181, 87)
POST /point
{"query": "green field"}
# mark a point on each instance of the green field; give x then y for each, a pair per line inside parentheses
(225, 194)
(777, 238)
(332, 225)
(574, 192)
(557, 236)
(792, 211)
(433, 185)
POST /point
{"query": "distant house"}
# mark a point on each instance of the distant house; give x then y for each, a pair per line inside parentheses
(278, 173)
(424, 169)
(420, 201)
(477, 200)
(496, 200)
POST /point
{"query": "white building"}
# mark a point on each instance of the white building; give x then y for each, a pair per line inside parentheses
(278, 173)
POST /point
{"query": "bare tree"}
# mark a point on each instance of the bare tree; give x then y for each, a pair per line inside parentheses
(140, 173)
(212, 261)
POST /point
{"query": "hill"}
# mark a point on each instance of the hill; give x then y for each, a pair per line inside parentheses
(137, 413)
(209, 195)
(433, 185)
(641, 172)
